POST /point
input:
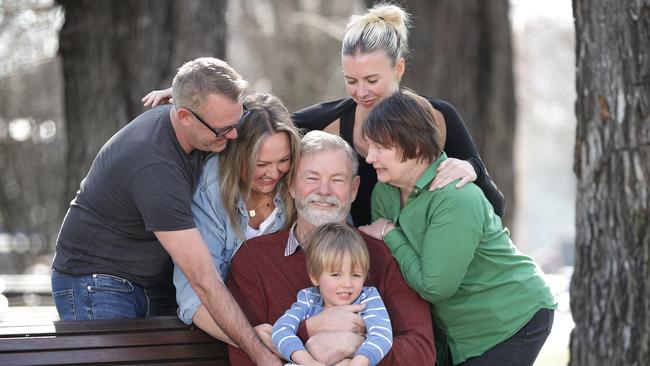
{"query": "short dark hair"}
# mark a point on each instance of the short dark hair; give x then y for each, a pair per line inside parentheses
(405, 120)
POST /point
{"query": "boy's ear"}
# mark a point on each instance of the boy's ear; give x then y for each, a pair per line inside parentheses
(314, 281)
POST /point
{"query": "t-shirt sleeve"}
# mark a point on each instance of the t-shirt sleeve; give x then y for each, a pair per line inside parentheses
(451, 237)
(163, 195)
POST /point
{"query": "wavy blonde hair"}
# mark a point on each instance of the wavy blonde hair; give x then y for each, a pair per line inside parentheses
(268, 116)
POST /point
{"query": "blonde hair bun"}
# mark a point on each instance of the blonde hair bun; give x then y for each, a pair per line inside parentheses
(384, 27)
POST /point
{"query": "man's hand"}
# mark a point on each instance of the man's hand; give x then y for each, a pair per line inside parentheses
(269, 359)
(265, 332)
(332, 347)
(337, 318)
(345, 362)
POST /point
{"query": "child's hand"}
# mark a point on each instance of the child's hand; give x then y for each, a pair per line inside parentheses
(345, 362)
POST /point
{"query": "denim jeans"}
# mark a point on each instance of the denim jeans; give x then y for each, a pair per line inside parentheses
(102, 296)
(522, 348)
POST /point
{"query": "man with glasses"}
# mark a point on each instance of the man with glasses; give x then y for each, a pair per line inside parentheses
(131, 216)
(221, 132)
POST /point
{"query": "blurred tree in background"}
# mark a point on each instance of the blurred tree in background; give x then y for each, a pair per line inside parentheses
(610, 288)
(113, 52)
(31, 145)
(290, 48)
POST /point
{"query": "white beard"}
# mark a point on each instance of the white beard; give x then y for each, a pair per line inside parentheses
(321, 216)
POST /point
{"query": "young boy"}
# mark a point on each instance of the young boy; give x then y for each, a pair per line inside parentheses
(338, 264)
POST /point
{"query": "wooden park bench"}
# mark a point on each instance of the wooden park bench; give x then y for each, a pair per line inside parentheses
(158, 340)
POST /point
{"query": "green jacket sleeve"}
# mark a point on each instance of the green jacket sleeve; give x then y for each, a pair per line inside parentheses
(434, 251)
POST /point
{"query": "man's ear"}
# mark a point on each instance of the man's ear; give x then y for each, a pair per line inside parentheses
(291, 187)
(355, 186)
(183, 116)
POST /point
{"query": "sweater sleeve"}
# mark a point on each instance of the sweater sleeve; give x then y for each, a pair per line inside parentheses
(285, 328)
(460, 145)
(244, 285)
(450, 241)
(379, 337)
(410, 316)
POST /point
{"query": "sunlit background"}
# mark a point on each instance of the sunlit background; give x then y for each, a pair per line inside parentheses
(32, 140)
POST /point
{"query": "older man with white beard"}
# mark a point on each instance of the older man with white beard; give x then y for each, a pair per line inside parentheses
(268, 271)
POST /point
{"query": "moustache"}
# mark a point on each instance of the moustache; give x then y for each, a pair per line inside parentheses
(325, 199)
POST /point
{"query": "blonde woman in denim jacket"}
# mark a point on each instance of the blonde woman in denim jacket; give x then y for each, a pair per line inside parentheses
(242, 193)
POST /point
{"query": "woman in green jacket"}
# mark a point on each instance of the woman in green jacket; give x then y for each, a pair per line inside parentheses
(489, 301)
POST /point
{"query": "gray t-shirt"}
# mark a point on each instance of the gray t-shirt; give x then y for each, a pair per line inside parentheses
(141, 181)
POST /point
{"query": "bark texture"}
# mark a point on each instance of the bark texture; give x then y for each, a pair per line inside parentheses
(462, 53)
(610, 288)
(114, 52)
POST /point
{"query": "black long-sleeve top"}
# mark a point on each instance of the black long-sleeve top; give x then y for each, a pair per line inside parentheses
(459, 145)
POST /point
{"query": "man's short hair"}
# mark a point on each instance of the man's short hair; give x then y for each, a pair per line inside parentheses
(319, 141)
(197, 79)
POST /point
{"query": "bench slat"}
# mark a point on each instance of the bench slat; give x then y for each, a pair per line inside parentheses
(156, 324)
(157, 340)
(125, 354)
(103, 340)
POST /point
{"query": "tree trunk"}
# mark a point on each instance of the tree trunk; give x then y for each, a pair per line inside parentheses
(290, 48)
(114, 52)
(610, 288)
(462, 53)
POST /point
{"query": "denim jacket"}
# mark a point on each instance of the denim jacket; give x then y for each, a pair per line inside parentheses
(217, 232)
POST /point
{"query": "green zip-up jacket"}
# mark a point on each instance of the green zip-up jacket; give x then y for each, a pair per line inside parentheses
(453, 250)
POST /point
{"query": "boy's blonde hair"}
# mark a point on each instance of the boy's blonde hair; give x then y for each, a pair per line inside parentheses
(327, 246)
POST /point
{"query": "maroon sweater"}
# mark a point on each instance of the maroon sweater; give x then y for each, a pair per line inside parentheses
(265, 283)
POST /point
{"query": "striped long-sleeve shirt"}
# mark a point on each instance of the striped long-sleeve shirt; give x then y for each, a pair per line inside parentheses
(379, 334)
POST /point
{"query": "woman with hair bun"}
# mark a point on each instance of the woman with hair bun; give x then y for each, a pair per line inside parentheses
(373, 55)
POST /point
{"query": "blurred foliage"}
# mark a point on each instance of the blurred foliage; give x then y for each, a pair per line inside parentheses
(31, 139)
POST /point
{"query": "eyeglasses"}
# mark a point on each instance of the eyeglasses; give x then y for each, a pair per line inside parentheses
(221, 132)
